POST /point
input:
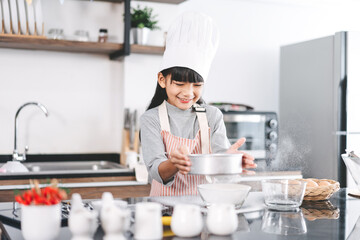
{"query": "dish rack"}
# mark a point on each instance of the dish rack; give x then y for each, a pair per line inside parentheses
(19, 32)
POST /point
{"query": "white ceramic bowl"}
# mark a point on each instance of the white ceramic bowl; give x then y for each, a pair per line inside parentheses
(224, 193)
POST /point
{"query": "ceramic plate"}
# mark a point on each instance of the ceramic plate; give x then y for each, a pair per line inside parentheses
(6, 15)
(22, 15)
(30, 17)
(38, 16)
(14, 16)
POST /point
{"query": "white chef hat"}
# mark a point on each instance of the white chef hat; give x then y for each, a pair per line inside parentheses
(191, 42)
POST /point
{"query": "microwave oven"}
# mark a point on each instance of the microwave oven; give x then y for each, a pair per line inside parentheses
(260, 130)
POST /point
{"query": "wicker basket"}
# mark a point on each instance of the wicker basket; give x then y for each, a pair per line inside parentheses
(320, 193)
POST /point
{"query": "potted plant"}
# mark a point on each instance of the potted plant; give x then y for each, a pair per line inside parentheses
(41, 211)
(142, 22)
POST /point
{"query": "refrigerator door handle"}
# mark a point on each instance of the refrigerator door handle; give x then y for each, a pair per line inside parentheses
(344, 133)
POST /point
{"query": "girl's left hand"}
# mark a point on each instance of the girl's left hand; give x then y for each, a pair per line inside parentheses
(248, 160)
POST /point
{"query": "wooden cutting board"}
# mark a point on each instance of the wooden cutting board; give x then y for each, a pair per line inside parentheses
(126, 145)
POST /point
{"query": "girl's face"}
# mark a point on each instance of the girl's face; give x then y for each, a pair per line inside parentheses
(181, 94)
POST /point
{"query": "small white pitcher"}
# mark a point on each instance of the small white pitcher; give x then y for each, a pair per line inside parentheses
(222, 219)
(186, 220)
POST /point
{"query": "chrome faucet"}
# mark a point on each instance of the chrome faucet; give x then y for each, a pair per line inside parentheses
(16, 155)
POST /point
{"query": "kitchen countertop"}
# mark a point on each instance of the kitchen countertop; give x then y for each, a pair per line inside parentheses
(124, 186)
(334, 219)
(122, 183)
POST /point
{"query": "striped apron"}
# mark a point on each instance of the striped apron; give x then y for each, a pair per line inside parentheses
(183, 184)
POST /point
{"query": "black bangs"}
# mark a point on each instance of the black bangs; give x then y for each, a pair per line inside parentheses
(182, 74)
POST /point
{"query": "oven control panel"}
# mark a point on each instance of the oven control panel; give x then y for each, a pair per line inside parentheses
(272, 137)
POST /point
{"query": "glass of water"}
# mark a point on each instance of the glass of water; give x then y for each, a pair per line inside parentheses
(283, 195)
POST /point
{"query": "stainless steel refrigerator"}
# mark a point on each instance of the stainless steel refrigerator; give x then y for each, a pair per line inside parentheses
(319, 112)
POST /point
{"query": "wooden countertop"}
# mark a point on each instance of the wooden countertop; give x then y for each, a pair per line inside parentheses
(120, 187)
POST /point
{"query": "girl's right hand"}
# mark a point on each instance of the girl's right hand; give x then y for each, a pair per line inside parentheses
(179, 158)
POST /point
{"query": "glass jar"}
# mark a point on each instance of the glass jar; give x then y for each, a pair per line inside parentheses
(56, 33)
(82, 36)
(103, 35)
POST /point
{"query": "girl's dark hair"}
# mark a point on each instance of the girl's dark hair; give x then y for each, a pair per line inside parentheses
(180, 74)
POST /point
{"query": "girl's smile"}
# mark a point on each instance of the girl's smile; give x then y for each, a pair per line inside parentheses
(185, 100)
(181, 94)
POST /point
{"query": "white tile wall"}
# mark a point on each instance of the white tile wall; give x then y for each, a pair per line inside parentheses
(86, 93)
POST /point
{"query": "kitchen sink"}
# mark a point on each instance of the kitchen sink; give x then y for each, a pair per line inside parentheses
(74, 167)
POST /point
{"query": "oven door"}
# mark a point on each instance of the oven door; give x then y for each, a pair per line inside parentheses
(250, 126)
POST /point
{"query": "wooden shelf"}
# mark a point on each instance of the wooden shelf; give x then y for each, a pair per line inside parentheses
(114, 50)
(15, 42)
(134, 48)
(58, 45)
(165, 1)
(159, 1)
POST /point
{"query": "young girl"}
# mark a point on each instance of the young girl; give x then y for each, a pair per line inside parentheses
(178, 122)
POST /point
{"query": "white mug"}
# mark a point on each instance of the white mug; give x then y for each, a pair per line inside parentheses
(132, 159)
(148, 223)
(186, 220)
(222, 219)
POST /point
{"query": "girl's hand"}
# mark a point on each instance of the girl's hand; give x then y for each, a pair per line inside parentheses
(179, 157)
(248, 160)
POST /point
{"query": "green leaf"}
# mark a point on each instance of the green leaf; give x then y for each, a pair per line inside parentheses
(143, 17)
(67, 190)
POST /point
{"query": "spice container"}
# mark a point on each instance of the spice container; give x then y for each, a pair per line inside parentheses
(103, 35)
(82, 36)
(56, 33)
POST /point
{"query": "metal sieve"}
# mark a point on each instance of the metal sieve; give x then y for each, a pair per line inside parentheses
(216, 164)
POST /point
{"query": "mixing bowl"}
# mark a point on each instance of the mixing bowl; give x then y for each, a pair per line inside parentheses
(283, 194)
(224, 193)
